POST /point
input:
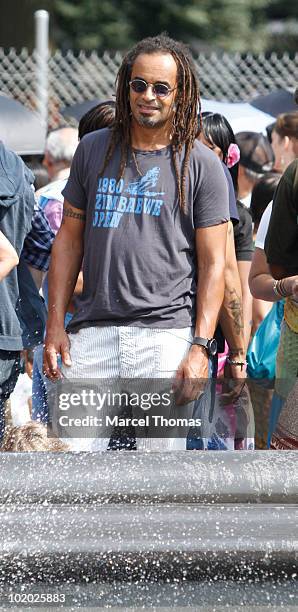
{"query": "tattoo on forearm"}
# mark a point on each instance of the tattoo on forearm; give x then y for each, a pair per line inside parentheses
(235, 306)
(68, 212)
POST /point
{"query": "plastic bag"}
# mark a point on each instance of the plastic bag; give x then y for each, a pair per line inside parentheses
(261, 354)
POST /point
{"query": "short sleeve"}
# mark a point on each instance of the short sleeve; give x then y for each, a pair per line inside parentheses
(74, 190)
(281, 244)
(243, 235)
(211, 197)
(234, 216)
(263, 227)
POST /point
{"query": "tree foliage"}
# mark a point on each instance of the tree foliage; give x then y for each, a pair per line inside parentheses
(116, 24)
(229, 25)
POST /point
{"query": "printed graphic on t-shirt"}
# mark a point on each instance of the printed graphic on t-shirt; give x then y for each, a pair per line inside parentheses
(114, 199)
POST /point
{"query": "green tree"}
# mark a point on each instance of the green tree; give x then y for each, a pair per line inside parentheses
(229, 25)
(91, 24)
(282, 27)
(221, 24)
(234, 25)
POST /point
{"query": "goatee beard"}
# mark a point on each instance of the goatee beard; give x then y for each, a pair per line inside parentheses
(151, 123)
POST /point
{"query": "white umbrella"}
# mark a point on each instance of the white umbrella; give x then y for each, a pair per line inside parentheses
(242, 116)
(20, 129)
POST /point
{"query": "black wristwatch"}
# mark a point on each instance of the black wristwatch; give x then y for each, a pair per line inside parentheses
(209, 345)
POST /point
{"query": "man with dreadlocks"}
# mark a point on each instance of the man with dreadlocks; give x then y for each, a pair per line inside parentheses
(146, 206)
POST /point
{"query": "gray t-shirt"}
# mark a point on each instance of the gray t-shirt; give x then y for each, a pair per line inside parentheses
(139, 256)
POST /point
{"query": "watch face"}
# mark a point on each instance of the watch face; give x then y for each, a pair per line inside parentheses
(212, 347)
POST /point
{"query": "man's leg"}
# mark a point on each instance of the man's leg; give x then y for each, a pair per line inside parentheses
(10, 368)
(40, 411)
(94, 354)
(150, 358)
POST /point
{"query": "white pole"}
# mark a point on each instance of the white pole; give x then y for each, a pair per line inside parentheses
(42, 54)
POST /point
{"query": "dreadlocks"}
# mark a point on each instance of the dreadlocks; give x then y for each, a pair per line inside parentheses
(185, 122)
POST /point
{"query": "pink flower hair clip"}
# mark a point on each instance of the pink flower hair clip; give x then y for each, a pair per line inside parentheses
(233, 155)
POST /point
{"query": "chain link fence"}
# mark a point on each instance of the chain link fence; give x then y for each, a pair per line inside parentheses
(77, 77)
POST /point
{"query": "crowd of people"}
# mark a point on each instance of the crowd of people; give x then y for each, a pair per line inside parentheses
(149, 252)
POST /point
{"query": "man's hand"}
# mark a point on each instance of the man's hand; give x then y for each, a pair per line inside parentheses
(56, 343)
(191, 376)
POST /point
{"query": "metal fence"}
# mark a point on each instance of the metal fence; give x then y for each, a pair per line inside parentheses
(77, 77)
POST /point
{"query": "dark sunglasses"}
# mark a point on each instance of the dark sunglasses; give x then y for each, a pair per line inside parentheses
(159, 89)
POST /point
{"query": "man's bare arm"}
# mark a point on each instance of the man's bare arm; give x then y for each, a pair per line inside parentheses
(77, 291)
(69, 211)
(66, 260)
(211, 250)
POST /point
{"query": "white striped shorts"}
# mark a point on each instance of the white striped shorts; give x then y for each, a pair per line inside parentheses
(129, 352)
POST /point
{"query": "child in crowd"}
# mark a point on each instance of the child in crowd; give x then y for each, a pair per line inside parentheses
(31, 437)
